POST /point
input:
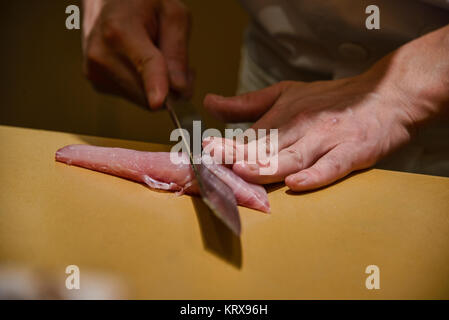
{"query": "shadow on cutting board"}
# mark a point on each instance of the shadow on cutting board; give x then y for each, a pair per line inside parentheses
(217, 238)
(292, 193)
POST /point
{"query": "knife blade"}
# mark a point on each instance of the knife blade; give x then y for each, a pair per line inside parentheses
(217, 195)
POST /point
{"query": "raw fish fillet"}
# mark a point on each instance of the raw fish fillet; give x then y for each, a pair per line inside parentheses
(156, 170)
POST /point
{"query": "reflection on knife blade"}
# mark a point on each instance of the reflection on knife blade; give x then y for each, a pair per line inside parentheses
(218, 196)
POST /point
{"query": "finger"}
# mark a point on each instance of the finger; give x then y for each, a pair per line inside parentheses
(220, 149)
(147, 60)
(151, 66)
(246, 107)
(225, 151)
(296, 157)
(250, 145)
(173, 42)
(336, 164)
(109, 74)
(229, 151)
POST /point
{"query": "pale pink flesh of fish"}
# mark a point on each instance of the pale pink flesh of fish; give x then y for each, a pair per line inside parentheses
(156, 170)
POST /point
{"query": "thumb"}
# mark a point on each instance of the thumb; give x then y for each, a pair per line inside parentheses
(246, 107)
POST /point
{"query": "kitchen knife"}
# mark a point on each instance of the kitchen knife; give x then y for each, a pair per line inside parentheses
(217, 195)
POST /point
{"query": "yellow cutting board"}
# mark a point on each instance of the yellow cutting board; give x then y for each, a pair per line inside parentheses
(314, 245)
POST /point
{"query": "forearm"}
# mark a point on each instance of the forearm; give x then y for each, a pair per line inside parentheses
(419, 73)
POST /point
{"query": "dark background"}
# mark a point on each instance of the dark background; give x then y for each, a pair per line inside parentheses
(42, 85)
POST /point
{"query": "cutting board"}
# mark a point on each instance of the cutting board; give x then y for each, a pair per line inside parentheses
(314, 245)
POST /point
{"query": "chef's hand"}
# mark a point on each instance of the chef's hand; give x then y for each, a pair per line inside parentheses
(137, 48)
(331, 128)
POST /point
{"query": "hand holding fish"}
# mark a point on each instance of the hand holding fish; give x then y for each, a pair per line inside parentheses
(329, 129)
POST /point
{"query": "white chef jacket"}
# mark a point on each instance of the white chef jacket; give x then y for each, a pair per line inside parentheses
(307, 40)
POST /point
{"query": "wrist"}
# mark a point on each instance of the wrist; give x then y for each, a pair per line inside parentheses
(416, 76)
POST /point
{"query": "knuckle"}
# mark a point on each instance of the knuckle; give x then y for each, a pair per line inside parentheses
(334, 164)
(359, 133)
(296, 157)
(142, 63)
(331, 122)
(305, 117)
(111, 31)
(366, 157)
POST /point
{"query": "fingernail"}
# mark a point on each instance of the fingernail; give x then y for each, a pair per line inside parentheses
(252, 167)
(153, 97)
(301, 178)
(264, 163)
(247, 166)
